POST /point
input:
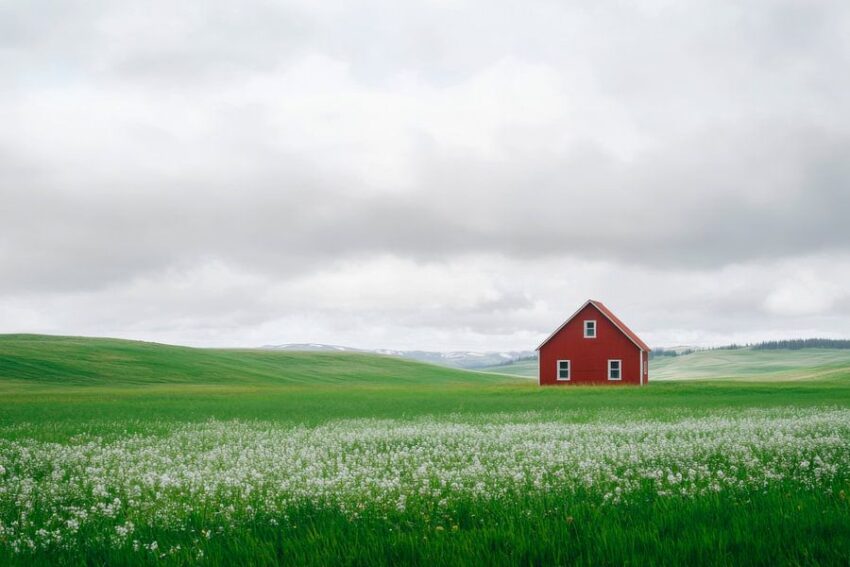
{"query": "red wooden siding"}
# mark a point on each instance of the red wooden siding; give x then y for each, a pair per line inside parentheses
(589, 356)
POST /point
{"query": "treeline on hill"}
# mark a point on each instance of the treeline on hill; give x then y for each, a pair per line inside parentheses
(661, 352)
(733, 346)
(797, 344)
(790, 344)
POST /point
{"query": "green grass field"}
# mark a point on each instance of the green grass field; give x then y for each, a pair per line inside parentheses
(119, 452)
(745, 363)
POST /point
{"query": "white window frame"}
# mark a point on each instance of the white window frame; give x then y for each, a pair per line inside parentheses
(558, 371)
(619, 369)
(593, 336)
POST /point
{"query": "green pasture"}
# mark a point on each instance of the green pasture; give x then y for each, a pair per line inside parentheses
(56, 389)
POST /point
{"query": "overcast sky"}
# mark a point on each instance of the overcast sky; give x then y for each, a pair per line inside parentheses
(435, 175)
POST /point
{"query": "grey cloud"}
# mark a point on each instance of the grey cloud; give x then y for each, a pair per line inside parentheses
(144, 140)
(695, 213)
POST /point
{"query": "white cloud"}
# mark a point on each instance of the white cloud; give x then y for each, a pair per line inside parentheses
(492, 302)
(442, 175)
(804, 292)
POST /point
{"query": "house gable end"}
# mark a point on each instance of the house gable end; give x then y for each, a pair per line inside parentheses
(603, 311)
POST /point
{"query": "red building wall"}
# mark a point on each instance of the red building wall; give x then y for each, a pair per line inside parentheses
(589, 357)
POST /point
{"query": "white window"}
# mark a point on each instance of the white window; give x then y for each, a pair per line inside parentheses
(563, 370)
(646, 367)
(590, 329)
(615, 370)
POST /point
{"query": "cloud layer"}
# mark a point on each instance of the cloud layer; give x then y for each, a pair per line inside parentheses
(427, 175)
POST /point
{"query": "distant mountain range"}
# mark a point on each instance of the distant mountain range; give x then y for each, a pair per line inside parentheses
(454, 359)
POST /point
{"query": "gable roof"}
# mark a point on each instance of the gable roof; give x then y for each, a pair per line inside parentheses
(610, 316)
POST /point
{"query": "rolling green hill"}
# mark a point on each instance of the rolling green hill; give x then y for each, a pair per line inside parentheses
(739, 364)
(525, 368)
(749, 364)
(78, 361)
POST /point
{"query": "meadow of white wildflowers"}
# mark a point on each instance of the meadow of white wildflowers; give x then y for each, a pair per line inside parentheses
(228, 473)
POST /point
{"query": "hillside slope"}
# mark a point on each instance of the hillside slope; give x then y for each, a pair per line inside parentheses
(52, 360)
(744, 363)
(527, 368)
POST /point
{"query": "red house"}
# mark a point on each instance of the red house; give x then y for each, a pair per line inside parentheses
(593, 347)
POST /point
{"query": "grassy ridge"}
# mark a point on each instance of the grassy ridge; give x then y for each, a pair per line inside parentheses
(79, 361)
(747, 363)
(524, 368)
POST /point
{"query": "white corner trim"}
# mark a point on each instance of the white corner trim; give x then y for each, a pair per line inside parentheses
(640, 368)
